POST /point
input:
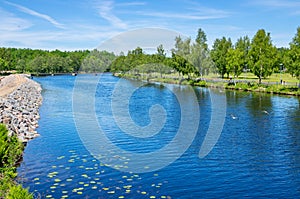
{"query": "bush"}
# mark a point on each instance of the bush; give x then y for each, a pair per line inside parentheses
(18, 192)
(11, 150)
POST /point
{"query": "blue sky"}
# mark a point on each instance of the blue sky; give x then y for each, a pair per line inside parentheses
(85, 24)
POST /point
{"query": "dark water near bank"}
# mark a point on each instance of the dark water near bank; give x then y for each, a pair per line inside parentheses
(257, 154)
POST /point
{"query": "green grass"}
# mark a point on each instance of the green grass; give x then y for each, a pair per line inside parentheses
(275, 77)
(275, 89)
(269, 85)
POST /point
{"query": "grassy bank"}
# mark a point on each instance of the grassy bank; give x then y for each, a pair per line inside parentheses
(11, 150)
(246, 82)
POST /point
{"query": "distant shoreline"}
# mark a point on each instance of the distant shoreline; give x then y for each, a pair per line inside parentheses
(250, 86)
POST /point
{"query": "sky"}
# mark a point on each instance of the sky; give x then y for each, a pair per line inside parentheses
(88, 24)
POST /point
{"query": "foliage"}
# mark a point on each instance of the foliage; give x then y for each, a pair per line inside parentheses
(138, 62)
(275, 89)
(243, 45)
(43, 61)
(18, 192)
(196, 53)
(182, 47)
(97, 61)
(235, 61)
(219, 54)
(11, 151)
(182, 65)
(200, 56)
(201, 39)
(293, 62)
(262, 55)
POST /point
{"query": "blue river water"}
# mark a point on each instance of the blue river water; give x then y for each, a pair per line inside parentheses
(256, 155)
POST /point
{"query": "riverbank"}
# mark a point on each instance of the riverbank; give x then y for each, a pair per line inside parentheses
(239, 85)
(20, 99)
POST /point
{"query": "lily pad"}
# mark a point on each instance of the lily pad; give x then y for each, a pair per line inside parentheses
(60, 157)
(111, 192)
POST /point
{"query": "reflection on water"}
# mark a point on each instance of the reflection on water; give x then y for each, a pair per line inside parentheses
(257, 155)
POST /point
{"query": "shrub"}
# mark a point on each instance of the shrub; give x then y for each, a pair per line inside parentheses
(18, 192)
(11, 150)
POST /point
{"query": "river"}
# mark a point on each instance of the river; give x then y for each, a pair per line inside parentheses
(256, 153)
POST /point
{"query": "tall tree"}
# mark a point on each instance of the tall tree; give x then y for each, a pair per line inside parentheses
(219, 54)
(200, 56)
(262, 55)
(161, 51)
(294, 56)
(201, 39)
(182, 47)
(201, 59)
(235, 61)
(243, 45)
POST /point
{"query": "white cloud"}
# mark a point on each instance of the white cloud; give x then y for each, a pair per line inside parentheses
(181, 16)
(277, 3)
(106, 12)
(37, 14)
(86, 37)
(133, 3)
(9, 22)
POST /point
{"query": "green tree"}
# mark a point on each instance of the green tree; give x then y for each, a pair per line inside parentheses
(201, 59)
(235, 61)
(294, 56)
(182, 65)
(219, 54)
(201, 39)
(97, 61)
(262, 55)
(199, 55)
(3, 64)
(182, 47)
(243, 45)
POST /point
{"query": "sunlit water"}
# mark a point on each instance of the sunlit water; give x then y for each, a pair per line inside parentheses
(257, 155)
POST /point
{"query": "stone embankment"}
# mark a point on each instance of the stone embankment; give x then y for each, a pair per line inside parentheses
(20, 99)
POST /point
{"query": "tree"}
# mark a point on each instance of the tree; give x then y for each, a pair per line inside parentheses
(243, 45)
(161, 51)
(262, 55)
(98, 61)
(182, 65)
(201, 59)
(201, 39)
(182, 47)
(235, 61)
(219, 54)
(199, 55)
(3, 64)
(294, 56)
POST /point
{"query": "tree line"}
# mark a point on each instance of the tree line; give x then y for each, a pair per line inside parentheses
(43, 61)
(257, 55)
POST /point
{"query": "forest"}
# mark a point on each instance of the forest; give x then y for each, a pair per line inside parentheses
(257, 55)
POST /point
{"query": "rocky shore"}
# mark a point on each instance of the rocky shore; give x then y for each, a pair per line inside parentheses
(20, 99)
